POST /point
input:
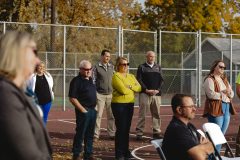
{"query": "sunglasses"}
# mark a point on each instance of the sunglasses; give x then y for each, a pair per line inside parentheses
(222, 67)
(86, 69)
(124, 64)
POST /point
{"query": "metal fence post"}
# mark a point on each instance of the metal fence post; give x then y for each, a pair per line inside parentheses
(46, 59)
(119, 41)
(155, 42)
(4, 27)
(64, 68)
(182, 73)
(231, 68)
(160, 47)
(199, 69)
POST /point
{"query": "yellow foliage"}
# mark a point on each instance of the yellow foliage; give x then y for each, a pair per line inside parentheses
(207, 15)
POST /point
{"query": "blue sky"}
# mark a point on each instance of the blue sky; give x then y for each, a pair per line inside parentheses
(141, 1)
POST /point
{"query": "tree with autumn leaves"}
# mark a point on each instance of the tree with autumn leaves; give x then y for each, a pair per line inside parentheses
(166, 15)
(171, 15)
(191, 15)
(107, 13)
(94, 13)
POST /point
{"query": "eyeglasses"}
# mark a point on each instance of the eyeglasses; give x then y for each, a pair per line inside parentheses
(191, 106)
(124, 64)
(86, 69)
(222, 67)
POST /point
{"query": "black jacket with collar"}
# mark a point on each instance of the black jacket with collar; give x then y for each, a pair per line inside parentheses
(150, 77)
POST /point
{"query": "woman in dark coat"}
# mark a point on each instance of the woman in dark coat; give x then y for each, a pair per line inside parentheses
(22, 133)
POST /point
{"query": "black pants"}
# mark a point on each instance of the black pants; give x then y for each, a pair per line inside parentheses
(122, 113)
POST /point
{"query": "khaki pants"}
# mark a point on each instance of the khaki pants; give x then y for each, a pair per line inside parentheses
(147, 103)
(102, 102)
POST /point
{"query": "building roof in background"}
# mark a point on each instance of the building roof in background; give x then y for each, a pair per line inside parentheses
(223, 45)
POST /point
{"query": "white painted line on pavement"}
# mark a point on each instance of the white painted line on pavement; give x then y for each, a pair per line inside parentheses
(133, 152)
(60, 120)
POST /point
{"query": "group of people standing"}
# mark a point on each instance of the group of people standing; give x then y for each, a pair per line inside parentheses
(113, 88)
(23, 133)
(27, 93)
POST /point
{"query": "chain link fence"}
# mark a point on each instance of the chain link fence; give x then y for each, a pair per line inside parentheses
(185, 57)
(62, 47)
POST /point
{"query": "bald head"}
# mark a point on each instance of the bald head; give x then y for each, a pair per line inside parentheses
(150, 56)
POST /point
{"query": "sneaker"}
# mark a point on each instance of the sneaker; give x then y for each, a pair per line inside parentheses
(157, 136)
(139, 137)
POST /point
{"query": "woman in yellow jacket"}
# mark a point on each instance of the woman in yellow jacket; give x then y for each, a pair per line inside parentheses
(125, 86)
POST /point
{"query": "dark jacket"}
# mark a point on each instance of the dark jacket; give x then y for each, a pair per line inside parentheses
(22, 133)
(150, 78)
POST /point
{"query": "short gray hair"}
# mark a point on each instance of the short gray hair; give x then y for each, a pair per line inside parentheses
(83, 63)
(149, 52)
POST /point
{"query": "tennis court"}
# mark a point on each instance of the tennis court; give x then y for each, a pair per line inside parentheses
(61, 127)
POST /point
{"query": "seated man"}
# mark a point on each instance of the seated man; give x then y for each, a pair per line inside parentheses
(181, 140)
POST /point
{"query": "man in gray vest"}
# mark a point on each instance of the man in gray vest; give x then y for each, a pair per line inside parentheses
(102, 77)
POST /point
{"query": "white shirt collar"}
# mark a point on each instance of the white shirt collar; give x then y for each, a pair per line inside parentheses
(151, 65)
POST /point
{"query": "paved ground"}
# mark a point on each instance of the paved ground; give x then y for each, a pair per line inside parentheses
(61, 127)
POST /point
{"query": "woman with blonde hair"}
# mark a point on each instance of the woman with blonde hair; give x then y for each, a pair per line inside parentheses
(22, 133)
(41, 83)
(219, 94)
(125, 86)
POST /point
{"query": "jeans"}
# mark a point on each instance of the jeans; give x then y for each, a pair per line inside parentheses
(122, 113)
(85, 125)
(222, 121)
(46, 109)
